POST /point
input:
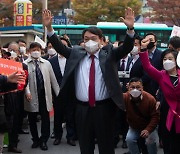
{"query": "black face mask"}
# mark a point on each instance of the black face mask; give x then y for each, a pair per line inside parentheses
(150, 45)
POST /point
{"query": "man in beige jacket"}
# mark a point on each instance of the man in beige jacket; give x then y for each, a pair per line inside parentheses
(39, 95)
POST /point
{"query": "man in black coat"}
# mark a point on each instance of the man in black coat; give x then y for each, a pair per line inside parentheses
(91, 79)
(63, 110)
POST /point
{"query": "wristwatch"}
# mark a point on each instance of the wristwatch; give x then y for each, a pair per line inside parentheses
(130, 28)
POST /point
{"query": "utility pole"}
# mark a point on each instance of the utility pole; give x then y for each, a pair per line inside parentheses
(45, 6)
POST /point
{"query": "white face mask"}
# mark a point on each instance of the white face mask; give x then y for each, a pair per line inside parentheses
(51, 51)
(91, 46)
(22, 50)
(36, 54)
(134, 50)
(135, 93)
(169, 64)
(13, 54)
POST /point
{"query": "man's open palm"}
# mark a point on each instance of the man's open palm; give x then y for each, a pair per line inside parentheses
(47, 18)
(129, 17)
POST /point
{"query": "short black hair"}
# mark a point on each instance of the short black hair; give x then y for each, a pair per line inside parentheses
(93, 30)
(167, 51)
(151, 33)
(67, 41)
(135, 79)
(21, 40)
(35, 44)
(47, 43)
(137, 37)
(175, 42)
(104, 38)
(81, 41)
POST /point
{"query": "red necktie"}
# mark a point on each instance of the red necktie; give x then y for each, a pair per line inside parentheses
(92, 82)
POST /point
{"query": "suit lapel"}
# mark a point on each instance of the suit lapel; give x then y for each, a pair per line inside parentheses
(128, 63)
(58, 68)
(167, 80)
(102, 60)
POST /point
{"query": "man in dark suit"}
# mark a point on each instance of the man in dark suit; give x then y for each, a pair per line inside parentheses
(136, 69)
(155, 56)
(62, 109)
(121, 125)
(95, 110)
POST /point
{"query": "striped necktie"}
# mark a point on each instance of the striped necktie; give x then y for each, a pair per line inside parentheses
(39, 77)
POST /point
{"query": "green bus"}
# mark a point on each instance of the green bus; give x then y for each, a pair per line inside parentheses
(115, 31)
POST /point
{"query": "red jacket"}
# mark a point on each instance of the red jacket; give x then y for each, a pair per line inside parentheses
(171, 93)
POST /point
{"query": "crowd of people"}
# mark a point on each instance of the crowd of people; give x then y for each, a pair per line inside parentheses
(101, 90)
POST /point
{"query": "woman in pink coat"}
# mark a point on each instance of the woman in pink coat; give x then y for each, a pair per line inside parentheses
(169, 82)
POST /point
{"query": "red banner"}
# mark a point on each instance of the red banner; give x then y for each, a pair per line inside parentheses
(8, 67)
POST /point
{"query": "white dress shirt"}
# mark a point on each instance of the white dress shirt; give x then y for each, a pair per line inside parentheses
(151, 54)
(82, 80)
(125, 62)
(135, 58)
(62, 63)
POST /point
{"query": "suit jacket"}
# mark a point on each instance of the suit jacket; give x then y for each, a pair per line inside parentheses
(108, 58)
(171, 93)
(56, 68)
(137, 69)
(46, 56)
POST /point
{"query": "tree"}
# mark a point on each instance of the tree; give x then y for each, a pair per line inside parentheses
(93, 11)
(6, 9)
(165, 11)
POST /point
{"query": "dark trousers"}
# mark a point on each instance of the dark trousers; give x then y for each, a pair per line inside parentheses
(121, 126)
(170, 140)
(59, 110)
(64, 112)
(12, 116)
(96, 121)
(22, 112)
(13, 132)
(45, 121)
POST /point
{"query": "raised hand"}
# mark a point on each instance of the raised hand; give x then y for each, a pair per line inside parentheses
(129, 18)
(144, 43)
(47, 19)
